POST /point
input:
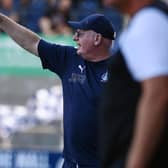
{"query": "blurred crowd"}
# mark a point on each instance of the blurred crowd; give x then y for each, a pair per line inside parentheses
(44, 107)
(50, 17)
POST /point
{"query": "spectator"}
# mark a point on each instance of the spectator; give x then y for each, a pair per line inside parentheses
(7, 8)
(29, 12)
(54, 22)
(54, 25)
(64, 7)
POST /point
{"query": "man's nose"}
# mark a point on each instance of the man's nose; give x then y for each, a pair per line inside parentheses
(75, 37)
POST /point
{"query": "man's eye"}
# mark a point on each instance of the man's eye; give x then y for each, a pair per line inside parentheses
(79, 34)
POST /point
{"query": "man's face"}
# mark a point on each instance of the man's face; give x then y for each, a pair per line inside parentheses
(85, 41)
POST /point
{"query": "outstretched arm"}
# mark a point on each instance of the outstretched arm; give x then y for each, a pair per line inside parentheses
(21, 35)
(150, 123)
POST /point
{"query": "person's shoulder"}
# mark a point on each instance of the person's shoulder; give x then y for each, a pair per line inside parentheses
(149, 15)
(148, 20)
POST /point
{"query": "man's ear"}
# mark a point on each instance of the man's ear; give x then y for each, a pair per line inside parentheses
(98, 39)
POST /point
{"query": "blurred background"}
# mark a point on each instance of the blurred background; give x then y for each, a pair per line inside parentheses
(31, 134)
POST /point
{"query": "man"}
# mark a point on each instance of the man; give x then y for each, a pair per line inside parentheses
(83, 72)
(134, 132)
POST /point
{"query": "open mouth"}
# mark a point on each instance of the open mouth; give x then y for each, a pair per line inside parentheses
(79, 46)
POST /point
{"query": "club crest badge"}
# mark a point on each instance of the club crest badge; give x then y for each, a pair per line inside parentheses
(104, 77)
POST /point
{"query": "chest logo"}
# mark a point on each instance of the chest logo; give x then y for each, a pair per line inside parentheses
(75, 78)
(104, 77)
(82, 68)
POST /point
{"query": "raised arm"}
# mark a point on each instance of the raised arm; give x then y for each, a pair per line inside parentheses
(21, 35)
